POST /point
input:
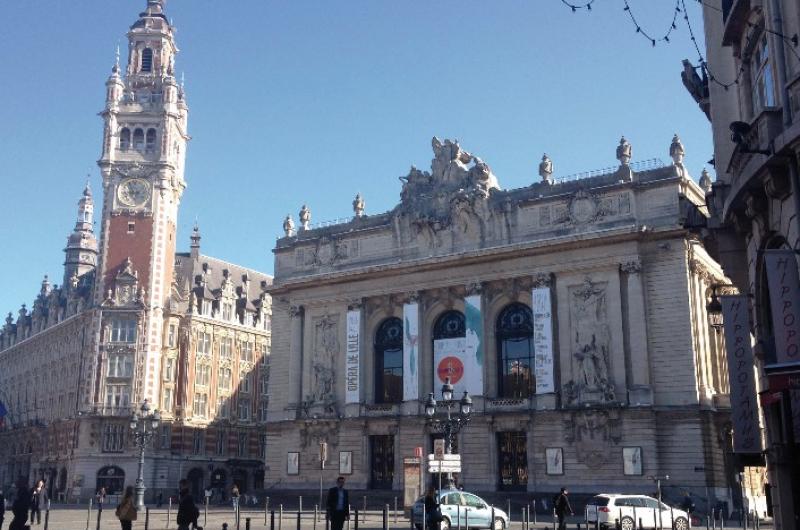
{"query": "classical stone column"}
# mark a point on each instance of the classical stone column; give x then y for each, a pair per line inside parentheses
(640, 392)
(296, 324)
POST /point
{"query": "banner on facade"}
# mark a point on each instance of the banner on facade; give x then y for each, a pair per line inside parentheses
(543, 340)
(739, 350)
(410, 351)
(784, 291)
(474, 343)
(450, 359)
(353, 353)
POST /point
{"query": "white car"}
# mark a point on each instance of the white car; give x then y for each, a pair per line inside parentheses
(634, 511)
(462, 509)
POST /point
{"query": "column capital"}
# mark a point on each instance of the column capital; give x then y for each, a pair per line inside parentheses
(296, 310)
(631, 267)
(543, 279)
(474, 288)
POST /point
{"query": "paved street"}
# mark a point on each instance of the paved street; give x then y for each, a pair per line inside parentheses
(73, 518)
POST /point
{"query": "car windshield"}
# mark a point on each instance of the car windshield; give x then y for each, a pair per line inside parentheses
(598, 501)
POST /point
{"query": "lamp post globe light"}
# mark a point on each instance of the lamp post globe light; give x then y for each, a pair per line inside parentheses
(451, 424)
(144, 425)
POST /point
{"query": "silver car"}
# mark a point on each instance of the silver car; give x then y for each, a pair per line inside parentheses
(462, 509)
(633, 512)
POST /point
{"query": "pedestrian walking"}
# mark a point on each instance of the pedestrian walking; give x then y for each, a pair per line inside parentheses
(38, 499)
(126, 510)
(187, 510)
(688, 504)
(101, 498)
(235, 497)
(561, 505)
(2, 508)
(21, 506)
(433, 511)
(338, 505)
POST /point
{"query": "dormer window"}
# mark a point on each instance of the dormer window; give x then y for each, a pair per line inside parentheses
(147, 60)
(125, 139)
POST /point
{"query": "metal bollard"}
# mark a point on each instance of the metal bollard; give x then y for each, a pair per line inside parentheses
(492, 522)
(721, 520)
(89, 514)
(655, 519)
(146, 518)
(299, 515)
(300, 503)
(205, 513)
(508, 505)
(280, 516)
(266, 509)
(458, 516)
(272, 520)
(617, 524)
(554, 519)
(466, 518)
(316, 515)
(364, 513)
(46, 515)
(533, 505)
(385, 517)
(708, 522)
(169, 509)
(642, 526)
(634, 519)
(247, 523)
(424, 521)
(395, 511)
(99, 515)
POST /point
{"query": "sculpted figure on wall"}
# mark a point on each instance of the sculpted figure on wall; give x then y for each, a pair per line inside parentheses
(591, 343)
(326, 349)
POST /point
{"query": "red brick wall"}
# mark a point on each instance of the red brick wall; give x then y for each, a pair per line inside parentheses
(122, 245)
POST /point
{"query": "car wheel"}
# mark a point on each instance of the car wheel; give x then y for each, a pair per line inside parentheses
(445, 524)
(627, 523)
(499, 524)
(680, 524)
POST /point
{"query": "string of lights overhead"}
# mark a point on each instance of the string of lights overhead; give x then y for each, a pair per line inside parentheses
(647, 35)
(587, 6)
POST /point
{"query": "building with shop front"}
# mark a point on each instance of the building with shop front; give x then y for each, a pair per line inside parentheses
(136, 321)
(749, 87)
(573, 310)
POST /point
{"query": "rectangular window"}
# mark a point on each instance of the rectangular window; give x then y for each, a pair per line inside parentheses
(512, 453)
(247, 351)
(762, 80)
(244, 409)
(120, 365)
(262, 410)
(167, 402)
(197, 442)
(225, 347)
(244, 382)
(203, 343)
(131, 228)
(227, 311)
(169, 369)
(224, 379)
(123, 330)
(166, 432)
(221, 439)
(223, 408)
(264, 385)
(200, 408)
(202, 375)
(172, 335)
(113, 438)
(262, 446)
(118, 396)
(242, 446)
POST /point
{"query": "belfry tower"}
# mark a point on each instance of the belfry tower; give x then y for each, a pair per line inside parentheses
(142, 166)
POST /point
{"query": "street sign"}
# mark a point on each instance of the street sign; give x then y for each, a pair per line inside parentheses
(444, 467)
(444, 458)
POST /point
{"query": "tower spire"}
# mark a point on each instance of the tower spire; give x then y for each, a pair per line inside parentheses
(81, 250)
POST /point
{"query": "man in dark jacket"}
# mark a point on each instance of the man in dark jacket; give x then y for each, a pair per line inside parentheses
(187, 511)
(561, 506)
(21, 505)
(338, 505)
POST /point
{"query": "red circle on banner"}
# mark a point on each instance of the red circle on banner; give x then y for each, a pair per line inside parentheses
(451, 367)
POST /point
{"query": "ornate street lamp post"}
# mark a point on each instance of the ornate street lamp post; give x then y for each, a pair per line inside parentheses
(451, 425)
(143, 426)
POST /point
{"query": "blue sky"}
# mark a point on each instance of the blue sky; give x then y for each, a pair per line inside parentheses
(313, 101)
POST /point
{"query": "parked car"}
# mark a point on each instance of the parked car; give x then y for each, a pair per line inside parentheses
(634, 511)
(460, 509)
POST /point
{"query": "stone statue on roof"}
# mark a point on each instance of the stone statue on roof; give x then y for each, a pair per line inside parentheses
(546, 169)
(305, 217)
(624, 152)
(359, 205)
(288, 225)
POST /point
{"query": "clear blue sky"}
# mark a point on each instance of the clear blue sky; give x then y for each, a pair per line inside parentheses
(313, 101)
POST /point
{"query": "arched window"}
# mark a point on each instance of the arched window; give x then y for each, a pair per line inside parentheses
(112, 478)
(138, 140)
(125, 139)
(450, 325)
(515, 352)
(150, 144)
(389, 361)
(147, 60)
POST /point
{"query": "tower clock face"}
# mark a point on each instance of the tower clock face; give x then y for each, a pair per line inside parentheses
(133, 192)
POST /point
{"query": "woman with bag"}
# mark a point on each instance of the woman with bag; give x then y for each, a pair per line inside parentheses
(433, 512)
(126, 511)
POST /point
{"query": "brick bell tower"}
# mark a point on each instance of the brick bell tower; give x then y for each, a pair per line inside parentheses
(142, 166)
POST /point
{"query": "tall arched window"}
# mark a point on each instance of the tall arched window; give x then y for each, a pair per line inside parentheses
(389, 361)
(515, 351)
(125, 139)
(150, 144)
(147, 60)
(138, 140)
(112, 478)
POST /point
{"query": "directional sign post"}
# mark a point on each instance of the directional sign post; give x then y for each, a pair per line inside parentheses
(444, 463)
